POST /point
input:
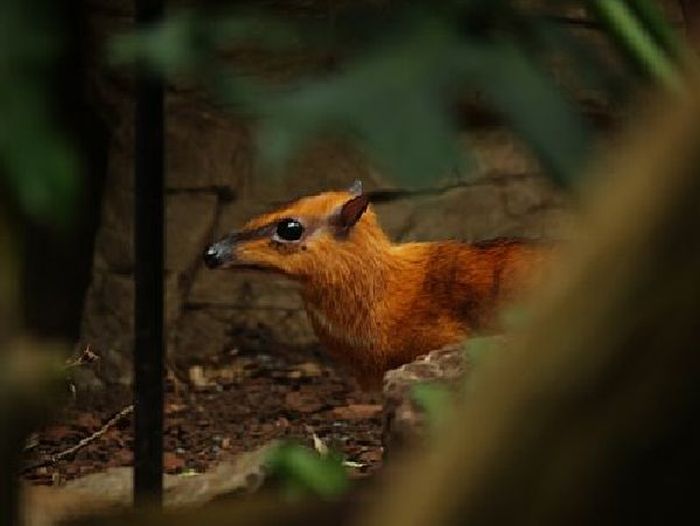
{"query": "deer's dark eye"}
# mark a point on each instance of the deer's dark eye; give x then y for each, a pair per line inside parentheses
(289, 230)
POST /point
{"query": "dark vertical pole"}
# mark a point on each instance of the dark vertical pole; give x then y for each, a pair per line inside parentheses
(148, 272)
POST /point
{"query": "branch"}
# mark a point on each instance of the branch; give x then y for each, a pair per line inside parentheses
(52, 459)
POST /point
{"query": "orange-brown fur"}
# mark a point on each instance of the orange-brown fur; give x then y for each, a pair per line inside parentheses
(376, 305)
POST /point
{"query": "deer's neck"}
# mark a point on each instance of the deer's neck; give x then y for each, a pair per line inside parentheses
(344, 300)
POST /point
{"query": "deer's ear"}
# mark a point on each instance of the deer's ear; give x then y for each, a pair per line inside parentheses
(350, 212)
(355, 188)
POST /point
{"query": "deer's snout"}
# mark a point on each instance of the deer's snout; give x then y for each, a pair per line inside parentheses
(218, 254)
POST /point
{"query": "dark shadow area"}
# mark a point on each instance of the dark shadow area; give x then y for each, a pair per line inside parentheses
(57, 262)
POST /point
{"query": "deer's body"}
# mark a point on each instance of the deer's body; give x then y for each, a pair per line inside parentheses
(373, 304)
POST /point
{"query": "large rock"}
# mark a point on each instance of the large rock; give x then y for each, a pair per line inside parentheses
(450, 369)
(404, 420)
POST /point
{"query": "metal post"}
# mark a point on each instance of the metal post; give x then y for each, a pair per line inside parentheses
(148, 273)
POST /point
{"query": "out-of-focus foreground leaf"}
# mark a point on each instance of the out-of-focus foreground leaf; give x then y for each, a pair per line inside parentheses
(36, 164)
(303, 471)
(535, 108)
(591, 414)
(644, 36)
(187, 40)
(397, 97)
(394, 102)
(651, 15)
(437, 402)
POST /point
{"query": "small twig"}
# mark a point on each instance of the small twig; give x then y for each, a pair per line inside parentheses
(323, 450)
(52, 459)
(319, 445)
(31, 442)
(87, 356)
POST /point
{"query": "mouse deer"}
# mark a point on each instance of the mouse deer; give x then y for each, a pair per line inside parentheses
(373, 304)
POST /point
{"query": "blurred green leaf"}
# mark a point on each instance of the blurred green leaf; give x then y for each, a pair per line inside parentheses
(536, 108)
(637, 40)
(404, 70)
(436, 400)
(653, 19)
(37, 165)
(514, 317)
(392, 102)
(476, 348)
(576, 58)
(41, 173)
(188, 40)
(397, 103)
(177, 44)
(303, 471)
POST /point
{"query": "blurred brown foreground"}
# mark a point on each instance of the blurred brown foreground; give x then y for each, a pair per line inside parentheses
(592, 415)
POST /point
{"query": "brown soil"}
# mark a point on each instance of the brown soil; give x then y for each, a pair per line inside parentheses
(233, 403)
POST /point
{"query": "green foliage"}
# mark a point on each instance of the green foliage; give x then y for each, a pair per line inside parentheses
(436, 401)
(476, 348)
(186, 41)
(645, 37)
(408, 67)
(303, 471)
(405, 69)
(37, 166)
(392, 102)
(653, 20)
(536, 109)
(395, 97)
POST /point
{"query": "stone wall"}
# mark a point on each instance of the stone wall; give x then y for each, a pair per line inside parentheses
(212, 187)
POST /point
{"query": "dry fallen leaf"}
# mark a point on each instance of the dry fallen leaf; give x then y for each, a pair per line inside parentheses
(319, 445)
(196, 375)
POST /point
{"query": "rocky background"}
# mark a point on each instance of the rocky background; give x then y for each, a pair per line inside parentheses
(213, 186)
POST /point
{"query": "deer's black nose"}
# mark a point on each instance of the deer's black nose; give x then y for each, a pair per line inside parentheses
(213, 256)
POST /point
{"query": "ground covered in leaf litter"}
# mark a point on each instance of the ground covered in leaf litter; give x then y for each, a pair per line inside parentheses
(233, 403)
